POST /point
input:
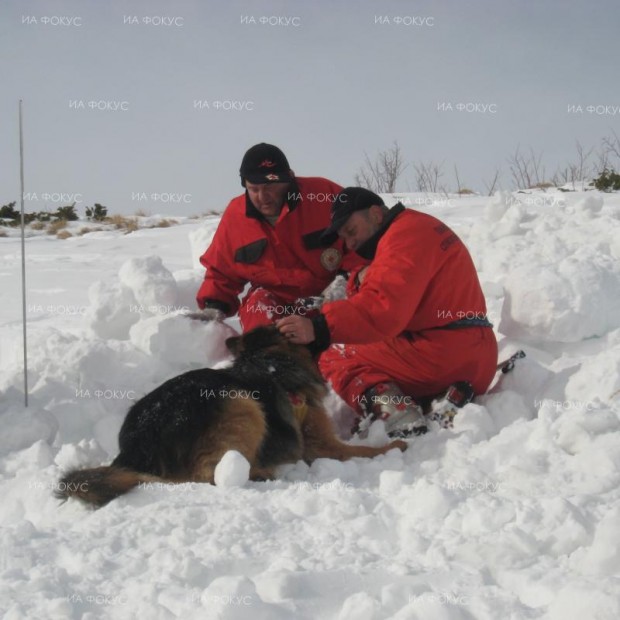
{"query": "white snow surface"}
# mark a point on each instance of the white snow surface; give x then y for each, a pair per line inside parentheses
(514, 514)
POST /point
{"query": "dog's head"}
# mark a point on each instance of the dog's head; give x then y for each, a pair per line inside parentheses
(291, 364)
(263, 339)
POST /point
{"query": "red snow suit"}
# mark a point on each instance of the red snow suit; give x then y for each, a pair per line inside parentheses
(422, 279)
(281, 262)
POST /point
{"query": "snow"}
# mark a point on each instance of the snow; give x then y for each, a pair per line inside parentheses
(233, 470)
(512, 514)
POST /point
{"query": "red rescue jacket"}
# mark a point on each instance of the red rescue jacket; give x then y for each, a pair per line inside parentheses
(422, 276)
(287, 259)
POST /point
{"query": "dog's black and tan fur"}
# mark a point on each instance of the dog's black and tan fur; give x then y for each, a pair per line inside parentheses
(180, 431)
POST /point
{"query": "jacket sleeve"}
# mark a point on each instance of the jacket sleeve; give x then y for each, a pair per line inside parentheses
(388, 297)
(221, 285)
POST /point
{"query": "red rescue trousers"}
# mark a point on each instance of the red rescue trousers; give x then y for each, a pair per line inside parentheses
(421, 364)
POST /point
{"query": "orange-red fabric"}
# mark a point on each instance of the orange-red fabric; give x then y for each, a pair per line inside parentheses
(422, 276)
(261, 307)
(290, 266)
(424, 365)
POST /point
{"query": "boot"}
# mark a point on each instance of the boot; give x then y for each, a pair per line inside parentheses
(445, 408)
(402, 416)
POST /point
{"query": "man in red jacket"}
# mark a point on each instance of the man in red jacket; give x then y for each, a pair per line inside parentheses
(270, 237)
(414, 322)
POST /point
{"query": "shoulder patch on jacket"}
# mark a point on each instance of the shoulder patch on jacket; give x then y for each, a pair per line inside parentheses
(312, 240)
(252, 252)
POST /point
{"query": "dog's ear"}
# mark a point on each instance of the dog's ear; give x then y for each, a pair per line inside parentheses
(264, 337)
(235, 344)
(258, 338)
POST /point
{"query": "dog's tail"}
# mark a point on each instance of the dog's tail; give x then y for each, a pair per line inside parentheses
(99, 485)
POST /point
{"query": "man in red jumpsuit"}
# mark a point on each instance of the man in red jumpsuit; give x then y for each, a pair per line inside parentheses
(415, 319)
(270, 237)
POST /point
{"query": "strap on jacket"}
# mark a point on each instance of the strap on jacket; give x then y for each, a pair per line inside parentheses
(462, 323)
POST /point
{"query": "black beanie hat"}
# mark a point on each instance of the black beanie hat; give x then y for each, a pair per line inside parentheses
(349, 200)
(265, 163)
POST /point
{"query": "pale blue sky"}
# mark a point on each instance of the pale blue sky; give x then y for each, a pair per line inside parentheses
(325, 90)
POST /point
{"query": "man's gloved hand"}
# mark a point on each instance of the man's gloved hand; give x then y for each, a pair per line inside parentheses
(207, 314)
(309, 303)
(336, 289)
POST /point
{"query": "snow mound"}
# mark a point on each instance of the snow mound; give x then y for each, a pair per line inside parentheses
(179, 340)
(109, 313)
(144, 288)
(151, 283)
(562, 282)
(22, 429)
(200, 239)
(576, 298)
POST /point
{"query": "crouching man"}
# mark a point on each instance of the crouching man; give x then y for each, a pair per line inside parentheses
(415, 319)
(270, 238)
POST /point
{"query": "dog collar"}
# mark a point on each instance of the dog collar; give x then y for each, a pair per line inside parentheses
(300, 406)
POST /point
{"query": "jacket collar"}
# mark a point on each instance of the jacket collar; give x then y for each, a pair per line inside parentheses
(368, 249)
(293, 203)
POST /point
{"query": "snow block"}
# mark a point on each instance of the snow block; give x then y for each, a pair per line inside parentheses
(182, 341)
(576, 299)
(151, 283)
(109, 313)
(233, 470)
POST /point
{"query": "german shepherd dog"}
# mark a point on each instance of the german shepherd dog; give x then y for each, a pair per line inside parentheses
(267, 406)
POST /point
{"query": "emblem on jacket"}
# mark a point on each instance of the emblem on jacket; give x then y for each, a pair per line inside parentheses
(331, 259)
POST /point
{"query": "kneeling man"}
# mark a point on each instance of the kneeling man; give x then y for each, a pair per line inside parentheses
(414, 322)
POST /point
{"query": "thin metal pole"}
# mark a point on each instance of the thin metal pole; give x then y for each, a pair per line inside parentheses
(21, 179)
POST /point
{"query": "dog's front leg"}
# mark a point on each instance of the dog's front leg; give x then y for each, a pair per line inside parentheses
(261, 474)
(321, 442)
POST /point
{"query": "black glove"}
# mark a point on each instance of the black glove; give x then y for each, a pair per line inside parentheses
(207, 314)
